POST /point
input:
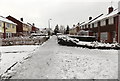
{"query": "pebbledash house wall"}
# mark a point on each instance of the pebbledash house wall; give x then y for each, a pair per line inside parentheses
(7, 28)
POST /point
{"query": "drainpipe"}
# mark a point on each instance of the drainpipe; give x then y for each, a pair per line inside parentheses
(119, 22)
(4, 34)
(118, 28)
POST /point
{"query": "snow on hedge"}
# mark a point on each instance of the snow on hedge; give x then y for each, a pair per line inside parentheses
(84, 43)
(66, 38)
(98, 44)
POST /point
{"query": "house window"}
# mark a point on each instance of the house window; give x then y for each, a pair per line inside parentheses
(92, 25)
(8, 25)
(106, 21)
(83, 27)
(86, 25)
(95, 24)
(103, 36)
(102, 23)
(13, 26)
(95, 34)
(111, 20)
(0, 24)
(80, 27)
(8, 35)
(113, 36)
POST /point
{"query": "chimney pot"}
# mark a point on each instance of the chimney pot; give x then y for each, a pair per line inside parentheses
(110, 9)
(33, 24)
(90, 18)
(73, 25)
(21, 19)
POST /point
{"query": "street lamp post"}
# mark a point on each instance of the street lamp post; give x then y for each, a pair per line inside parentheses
(49, 26)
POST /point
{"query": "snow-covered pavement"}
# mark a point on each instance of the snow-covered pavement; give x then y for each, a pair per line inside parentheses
(52, 61)
(12, 54)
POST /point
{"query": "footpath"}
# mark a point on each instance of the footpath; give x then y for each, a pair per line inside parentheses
(52, 61)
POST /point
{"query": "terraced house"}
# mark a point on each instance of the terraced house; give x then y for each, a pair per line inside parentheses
(73, 30)
(22, 28)
(26, 29)
(7, 28)
(106, 27)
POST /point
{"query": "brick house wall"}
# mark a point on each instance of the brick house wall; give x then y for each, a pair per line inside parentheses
(108, 28)
(35, 29)
(109, 32)
(19, 26)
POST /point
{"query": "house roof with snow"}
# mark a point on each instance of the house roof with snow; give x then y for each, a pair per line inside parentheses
(112, 14)
(82, 23)
(13, 18)
(86, 22)
(92, 20)
(24, 22)
(6, 20)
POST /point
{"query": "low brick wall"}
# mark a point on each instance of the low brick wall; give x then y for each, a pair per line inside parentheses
(23, 41)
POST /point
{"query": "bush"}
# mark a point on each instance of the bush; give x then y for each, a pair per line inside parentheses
(65, 40)
(84, 38)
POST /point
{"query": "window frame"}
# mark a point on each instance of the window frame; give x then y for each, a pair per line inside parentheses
(111, 20)
(8, 25)
(1, 23)
(96, 24)
(103, 22)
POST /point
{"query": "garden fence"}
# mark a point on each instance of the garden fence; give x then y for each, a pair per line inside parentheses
(23, 41)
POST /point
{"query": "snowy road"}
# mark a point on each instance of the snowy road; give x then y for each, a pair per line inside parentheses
(52, 61)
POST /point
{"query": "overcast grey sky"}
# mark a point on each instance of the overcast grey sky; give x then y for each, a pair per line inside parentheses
(62, 12)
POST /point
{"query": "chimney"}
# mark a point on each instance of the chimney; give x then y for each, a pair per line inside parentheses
(21, 19)
(33, 24)
(73, 25)
(78, 24)
(90, 18)
(110, 9)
